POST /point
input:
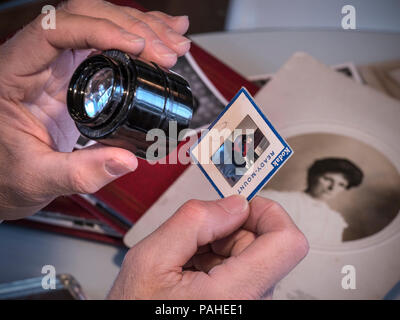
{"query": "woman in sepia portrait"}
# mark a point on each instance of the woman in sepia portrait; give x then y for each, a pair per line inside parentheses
(327, 179)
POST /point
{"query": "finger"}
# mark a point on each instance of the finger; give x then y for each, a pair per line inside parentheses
(204, 249)
(154, 50)
(267, 216)
(279, 247)
(200, 250)
(234, 244)
(195, 224)
(165, 33)
(83, 32)
(86, 170)
(206, 261)
(180, 24)
(213, 254)
(72, 31)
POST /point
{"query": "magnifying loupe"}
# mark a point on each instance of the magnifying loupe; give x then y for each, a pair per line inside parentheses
(116, 99)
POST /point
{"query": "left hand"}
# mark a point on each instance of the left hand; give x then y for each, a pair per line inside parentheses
(36, 133)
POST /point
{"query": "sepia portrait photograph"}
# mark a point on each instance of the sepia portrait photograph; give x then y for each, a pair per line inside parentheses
(336, 188)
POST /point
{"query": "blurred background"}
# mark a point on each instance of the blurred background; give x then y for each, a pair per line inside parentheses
(228, 15)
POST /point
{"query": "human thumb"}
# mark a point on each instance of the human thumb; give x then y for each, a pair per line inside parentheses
(87, 170)
(153, 267)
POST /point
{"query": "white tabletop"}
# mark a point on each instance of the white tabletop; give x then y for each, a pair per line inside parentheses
(25, 251)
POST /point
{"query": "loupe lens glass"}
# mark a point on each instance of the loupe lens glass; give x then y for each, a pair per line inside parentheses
(98, 91)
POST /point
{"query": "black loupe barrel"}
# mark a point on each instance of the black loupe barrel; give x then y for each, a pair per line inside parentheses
(116, 99)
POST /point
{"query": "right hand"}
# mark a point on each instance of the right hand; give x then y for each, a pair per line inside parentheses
(224, 249)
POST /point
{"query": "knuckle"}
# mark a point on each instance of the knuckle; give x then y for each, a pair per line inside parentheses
(155, 13)
(77, 6)
(104, 24)
(150, 19)
(92, 38)
(275, 206)
(70, 5)
(136, 24)
(302, 244)
(131, 11)
(104, 3)
(297, 242)
(194, 209)
(268, 205)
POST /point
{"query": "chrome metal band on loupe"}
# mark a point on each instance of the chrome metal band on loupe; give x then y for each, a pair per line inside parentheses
(116, 99)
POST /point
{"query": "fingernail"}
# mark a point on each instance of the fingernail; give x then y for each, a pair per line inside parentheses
(181, 18)
(234, 204)
(162, 49)
(177, 38)
(131, 37)
(116, 168)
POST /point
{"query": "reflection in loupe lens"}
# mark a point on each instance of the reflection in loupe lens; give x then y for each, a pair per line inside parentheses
(98, 91)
